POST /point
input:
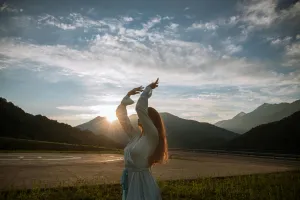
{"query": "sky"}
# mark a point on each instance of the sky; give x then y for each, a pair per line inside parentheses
(74, 60)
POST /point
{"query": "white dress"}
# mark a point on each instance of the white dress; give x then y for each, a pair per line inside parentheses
(137, 176)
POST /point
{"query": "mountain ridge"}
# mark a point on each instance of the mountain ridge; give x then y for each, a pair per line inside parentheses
(16, 123)
(264, 113)
(181, 133)
(281, 136)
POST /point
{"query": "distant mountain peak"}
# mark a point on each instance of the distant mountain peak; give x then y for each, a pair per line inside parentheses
(296, 102)
(167, 114)
(240, 114)
(262, 106)
(263, 114)
(265, 105)
(98, 118)
(2, 99)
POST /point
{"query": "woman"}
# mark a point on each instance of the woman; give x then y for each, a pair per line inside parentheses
(145, 148)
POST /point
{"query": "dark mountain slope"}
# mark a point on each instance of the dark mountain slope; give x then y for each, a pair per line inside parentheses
(16, 123)
(280, 136)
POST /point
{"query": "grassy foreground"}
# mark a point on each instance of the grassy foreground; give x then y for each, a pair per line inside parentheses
(281, 186)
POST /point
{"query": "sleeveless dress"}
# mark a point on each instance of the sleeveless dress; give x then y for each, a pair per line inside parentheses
(137, 180)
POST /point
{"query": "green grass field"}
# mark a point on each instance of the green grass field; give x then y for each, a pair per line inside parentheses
(281, 186)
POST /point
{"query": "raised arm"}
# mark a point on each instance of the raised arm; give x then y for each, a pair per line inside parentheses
(150, 130)
(122, 115)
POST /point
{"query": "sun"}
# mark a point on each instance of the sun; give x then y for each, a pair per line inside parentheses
(107, 111)
(111, 117)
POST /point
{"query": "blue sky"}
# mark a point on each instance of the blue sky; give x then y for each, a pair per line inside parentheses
(75, 60)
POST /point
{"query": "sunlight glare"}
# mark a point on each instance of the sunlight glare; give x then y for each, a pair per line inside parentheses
(111, 117)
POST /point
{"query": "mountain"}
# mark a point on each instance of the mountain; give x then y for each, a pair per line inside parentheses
(15, 123)
(241, 114)
(98, 125)
(281, 136)
(224, 122)
(265, 113)
(114, 131)
(181, 133)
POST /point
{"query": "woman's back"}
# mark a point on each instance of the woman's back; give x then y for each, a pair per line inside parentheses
(137, 180)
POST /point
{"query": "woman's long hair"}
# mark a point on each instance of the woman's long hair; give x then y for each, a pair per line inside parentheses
(160, 155)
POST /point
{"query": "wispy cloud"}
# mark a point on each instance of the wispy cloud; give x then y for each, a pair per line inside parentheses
(290, 13)
(259, 13)
(75, 21)
(292, 54)
(128, 19)
(152, 22)
(263, 14)
(172, 28)
(277, 41)
(167, 18)
(189, 16)
(205, 26)
(9, 8)
(230, 47)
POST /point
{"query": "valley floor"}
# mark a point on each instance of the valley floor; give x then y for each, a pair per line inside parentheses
(30, 170)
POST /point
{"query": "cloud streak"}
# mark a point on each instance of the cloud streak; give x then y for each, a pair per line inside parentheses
(208, 26)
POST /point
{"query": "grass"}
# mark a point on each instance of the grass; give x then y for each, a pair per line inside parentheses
(281, 186)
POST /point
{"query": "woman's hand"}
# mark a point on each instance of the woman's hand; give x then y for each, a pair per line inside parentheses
(154, 84)
(135, 91)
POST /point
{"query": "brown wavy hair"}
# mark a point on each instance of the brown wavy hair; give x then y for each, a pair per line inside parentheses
(160, 155)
